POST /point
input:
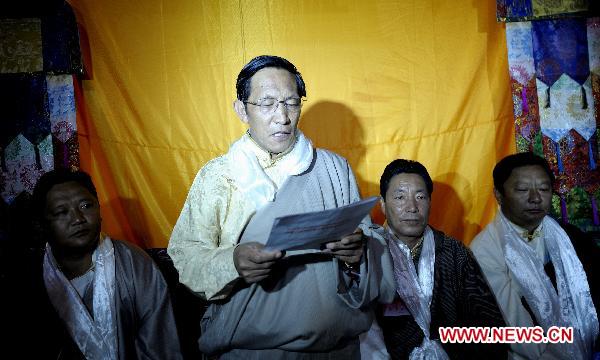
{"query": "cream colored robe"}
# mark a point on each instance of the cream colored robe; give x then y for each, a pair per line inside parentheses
(488, 249)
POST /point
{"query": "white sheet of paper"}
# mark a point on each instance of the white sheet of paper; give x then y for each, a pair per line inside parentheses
(310, 230)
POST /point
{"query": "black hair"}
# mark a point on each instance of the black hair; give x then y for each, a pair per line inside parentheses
(504, 167)
(402, 166)
(242, 84)
(55, 177)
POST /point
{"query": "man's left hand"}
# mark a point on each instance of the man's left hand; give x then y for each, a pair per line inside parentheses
(348, 249)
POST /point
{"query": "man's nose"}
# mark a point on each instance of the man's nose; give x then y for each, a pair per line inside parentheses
(281, 114)
(534, 196)
(77, 216)
(411, 206)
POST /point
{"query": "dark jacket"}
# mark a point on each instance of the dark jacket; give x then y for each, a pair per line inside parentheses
(461, 297)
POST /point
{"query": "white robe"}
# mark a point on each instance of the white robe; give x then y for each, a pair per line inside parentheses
(489, 249)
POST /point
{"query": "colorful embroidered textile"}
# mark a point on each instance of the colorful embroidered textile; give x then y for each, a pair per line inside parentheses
(554, 68)
(523, 10)
(21, 45)
(38, 132)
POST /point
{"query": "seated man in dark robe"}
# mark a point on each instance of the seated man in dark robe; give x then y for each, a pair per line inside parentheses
(539, 270)
(91, 296)
(438, 282)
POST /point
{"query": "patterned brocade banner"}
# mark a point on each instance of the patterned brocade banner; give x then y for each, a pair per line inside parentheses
(20, 46)
(39, 59)
(555, 82)
(525, 10)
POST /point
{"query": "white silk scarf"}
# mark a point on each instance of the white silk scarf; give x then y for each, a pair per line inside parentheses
(250, 177)
(96, 337)
(572, 305)
(416, 290)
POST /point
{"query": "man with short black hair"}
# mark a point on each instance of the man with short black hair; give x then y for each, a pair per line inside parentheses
(92, 296)
(303, 304)
(531, 264)
(438, 282)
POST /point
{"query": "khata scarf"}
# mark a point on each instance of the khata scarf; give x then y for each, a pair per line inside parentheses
(572, 306)
(250, 177)
(416, 290)
(96, 337)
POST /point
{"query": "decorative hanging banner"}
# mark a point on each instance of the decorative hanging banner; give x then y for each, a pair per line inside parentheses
(39, 56)
(25, 163)
(61, 102)
(554, 66)
(21, 46)
(526, 10)
(522, 73)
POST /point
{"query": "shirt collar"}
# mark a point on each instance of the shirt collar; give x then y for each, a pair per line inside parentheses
(524, 233)
(265, 158)
(396, 239)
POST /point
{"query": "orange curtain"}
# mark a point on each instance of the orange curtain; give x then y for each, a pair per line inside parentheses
(418, 79)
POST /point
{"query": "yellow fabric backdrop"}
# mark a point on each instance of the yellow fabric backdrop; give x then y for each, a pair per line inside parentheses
(418, 79)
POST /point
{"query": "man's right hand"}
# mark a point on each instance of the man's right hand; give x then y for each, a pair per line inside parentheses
(253, 262)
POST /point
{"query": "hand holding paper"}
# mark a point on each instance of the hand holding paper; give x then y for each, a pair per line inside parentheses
(253, 262)
(311, 230)
(348, 249)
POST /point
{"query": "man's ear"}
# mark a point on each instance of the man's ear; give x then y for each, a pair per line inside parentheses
(498, 196)
(240, 110)
(382, 204)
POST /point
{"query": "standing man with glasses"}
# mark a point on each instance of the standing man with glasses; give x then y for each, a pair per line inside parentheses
(267, 304)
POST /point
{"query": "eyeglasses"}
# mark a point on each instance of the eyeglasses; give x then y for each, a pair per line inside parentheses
(270, 105)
